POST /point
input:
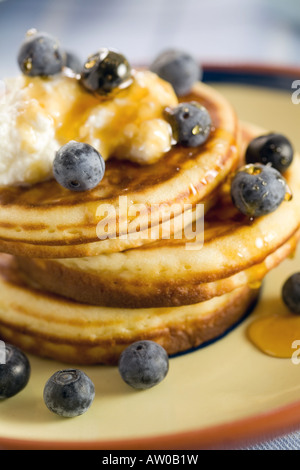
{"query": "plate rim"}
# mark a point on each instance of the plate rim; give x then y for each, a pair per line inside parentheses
(253, 68)
(228, 435)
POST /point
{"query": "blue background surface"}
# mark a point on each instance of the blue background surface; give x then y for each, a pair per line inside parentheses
(260, 31)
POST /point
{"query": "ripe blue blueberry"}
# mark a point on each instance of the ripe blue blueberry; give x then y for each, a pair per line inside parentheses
(143, 364)
(257, 190)
(275, 149)
(40, 55)
(78, 166)
(69, 393)
(291, 293)
(178, 68)
(105, 71)
(190, 122)
(15, 373)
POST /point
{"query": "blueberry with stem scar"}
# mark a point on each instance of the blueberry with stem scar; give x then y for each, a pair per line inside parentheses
(275, 149)
(258, 190)
(69, 393)
(78, 166)
(190, 122)
(143, 364)
(40, 55)
(178, 68)
(105, 71)
(291, 293)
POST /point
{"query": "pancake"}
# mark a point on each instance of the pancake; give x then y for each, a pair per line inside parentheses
(236, 251)
(54, 327)
(46, 220)
(82, 286)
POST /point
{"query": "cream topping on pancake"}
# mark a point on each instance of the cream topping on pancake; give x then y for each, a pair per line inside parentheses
(38, 115)
(27, 136)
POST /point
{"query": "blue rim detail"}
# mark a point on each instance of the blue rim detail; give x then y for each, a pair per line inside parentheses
(269, 80)
(227, 332)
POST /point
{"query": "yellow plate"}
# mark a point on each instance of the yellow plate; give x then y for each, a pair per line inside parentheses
(224, 395)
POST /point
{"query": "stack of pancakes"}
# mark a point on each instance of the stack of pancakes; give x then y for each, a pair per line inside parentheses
(67, 294)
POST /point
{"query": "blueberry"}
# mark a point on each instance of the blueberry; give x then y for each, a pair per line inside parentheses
(275, 149)
(78, 166)
(190, 122)
(105, 71)
(257, 190)
(291, 293)
(40, 55)
(73, 62)
(69, 393)
(143, 364)
(15, 373)
(178, 68)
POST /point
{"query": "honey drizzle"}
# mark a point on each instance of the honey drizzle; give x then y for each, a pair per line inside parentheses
(121, 176)
(275, 334)
(70, 107)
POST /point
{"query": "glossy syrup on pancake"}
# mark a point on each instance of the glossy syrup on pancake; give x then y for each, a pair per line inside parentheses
(51, 217)
(236, 250)
(83, 285)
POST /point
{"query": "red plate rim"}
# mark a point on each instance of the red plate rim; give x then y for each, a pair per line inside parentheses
(252, 68)
(233, 435)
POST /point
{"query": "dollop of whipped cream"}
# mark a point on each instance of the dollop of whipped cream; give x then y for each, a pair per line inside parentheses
(39, 115)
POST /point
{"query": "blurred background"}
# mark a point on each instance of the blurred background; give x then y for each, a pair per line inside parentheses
(226, 31)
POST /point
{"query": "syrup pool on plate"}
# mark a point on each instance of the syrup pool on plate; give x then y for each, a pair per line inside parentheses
(275, 334)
